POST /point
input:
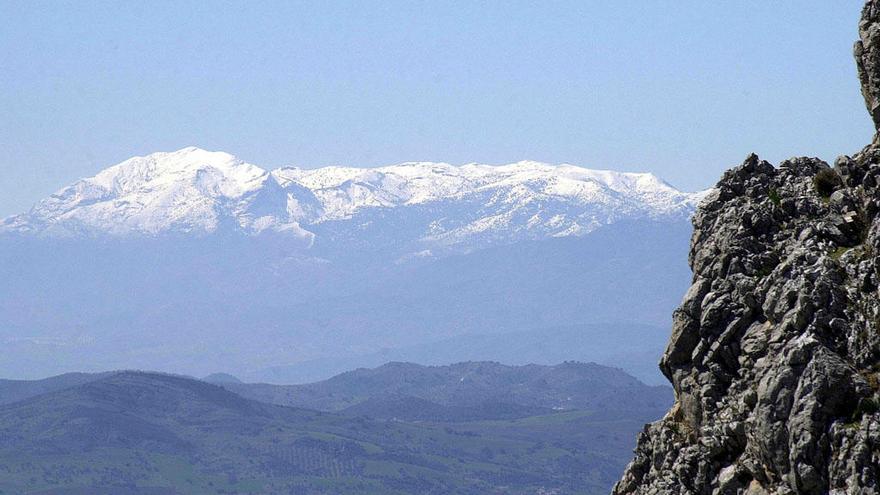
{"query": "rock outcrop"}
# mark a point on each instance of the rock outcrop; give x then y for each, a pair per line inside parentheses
(867, 53)
(775, 349)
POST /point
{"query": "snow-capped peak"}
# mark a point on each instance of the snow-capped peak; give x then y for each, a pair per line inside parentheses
(436, 204)
(233, 176)
(186, 190)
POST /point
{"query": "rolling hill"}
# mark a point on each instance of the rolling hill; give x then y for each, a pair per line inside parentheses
(146, 433)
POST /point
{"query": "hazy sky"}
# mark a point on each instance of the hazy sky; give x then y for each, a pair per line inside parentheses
(683, 89)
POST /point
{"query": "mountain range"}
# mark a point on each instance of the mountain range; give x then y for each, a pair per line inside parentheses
(141, 433)
(418, 207)
(475, 385)
(196, 262)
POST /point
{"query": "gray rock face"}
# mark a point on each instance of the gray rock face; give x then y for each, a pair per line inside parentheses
(867, 53)
(775, 349)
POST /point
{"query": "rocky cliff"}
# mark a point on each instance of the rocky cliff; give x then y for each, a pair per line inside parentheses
(775, 349)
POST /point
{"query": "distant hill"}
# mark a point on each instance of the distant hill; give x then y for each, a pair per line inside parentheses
(469, 385)
(16, 390)
(189, 304)
(220, 378)
(633, 347)
(145, 433)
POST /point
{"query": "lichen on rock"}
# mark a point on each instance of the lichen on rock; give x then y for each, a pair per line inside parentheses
(775, 349)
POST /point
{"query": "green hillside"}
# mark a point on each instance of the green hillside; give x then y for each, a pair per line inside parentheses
(143, 433)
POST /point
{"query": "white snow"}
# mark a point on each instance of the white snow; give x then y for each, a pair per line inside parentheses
(198, 191)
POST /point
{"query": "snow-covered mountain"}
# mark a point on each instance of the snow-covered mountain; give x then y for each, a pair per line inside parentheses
(421, 205)
(195, 262)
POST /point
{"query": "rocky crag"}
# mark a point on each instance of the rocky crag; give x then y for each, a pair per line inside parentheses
(775, 349)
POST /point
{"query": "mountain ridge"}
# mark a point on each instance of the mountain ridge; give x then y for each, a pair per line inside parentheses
(564, 386)
(201, 192)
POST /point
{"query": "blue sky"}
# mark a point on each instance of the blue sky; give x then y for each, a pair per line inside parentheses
(684, 89)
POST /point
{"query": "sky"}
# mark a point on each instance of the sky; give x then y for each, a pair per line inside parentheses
(684, 89)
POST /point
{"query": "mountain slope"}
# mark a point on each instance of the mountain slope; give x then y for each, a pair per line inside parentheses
(16, 390)
(407, 408)
(146, 433)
